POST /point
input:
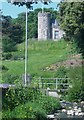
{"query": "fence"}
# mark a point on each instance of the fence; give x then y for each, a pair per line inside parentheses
(52, 83)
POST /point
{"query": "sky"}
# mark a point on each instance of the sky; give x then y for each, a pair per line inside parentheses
(13, 11)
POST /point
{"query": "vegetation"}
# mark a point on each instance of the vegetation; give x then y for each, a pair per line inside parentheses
(40, 55)
(71, 19)
(28, 4)
(43, 56)
(29, 103)
(12, 34)
(14, 29)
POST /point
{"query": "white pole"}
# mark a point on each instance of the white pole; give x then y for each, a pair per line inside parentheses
(26, 47)
(42, 8)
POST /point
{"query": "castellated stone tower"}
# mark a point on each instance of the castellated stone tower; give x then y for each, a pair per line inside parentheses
(44, 26)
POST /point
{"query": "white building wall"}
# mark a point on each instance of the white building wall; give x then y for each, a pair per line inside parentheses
(59, 36)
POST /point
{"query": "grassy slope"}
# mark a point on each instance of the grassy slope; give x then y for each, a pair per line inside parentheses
(40, 55)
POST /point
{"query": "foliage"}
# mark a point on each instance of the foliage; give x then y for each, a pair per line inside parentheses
(49, 104)
(6, 24)
(12, 34)
(28, 4)
(2, 67)
(19, 95)
(76, 91)
(16, 33)
(31, 110)
(11, 79)
(7, 44)
(6, 56)
(33, 21)
(14, 29)
(71, 19)
(61, 72)
(26, 102)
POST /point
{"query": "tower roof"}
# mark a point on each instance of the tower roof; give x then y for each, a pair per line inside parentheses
(55, 23)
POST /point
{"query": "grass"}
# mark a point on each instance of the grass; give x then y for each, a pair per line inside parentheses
(40, 55)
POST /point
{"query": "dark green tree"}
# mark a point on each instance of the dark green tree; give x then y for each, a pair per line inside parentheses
(16, 33)
(6, 24)
(72, 22)
(7, 44)
(11, 34)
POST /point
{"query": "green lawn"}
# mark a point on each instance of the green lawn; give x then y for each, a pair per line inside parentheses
(40, 55)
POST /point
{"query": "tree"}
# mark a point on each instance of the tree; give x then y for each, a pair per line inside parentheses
(72, 22)
(33, 21)
(6, 24)
(12, 34)
(16, 33)
(7, 44)
(28, 3)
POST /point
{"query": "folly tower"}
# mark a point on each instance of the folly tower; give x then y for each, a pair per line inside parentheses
(44, 26)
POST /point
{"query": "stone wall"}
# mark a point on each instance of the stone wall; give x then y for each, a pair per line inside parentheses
(44, 26)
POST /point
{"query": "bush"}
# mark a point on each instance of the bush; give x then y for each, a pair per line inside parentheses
(19, 95)
(49, 104)
(8, 45)
(18, 57)
(3, 67)
(28, 110)
(25, 102)
(76, 93)
(7, 56)
(11, 79)
(40, 115)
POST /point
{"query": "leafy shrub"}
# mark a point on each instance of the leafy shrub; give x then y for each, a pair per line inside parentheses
(76, 93)
(3, 67)
(28, 110)
(25, 102)
(7, 78)
(7, 56)
(18, 57)
(35, 110)
(49, 104)
(19, 95)
(40, 115)
(8, 45)
(61, 72)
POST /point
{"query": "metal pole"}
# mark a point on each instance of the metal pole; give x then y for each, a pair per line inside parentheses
(26, 47)
(42, 8)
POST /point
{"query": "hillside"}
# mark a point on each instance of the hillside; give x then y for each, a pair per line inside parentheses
(45, 59)
(42, 56)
